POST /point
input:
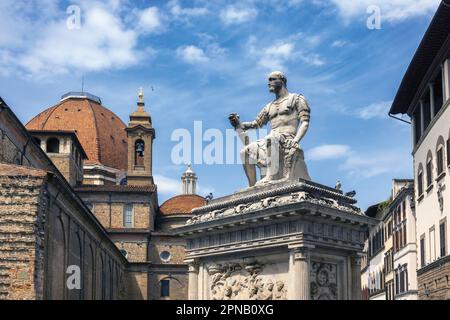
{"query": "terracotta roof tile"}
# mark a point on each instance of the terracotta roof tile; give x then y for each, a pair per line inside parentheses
(101, 132)
(182, 204)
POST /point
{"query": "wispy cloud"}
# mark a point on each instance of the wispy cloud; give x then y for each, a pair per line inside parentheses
(339, 44)
(179, 12)
(237, 14)
(328, 151)
(375, 110)
(361, 164)
(391, 11)
(376, 163)
(276, 56)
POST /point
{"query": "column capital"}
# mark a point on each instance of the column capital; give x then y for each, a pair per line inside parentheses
(356, 260)
(301, 253)
(193, 265)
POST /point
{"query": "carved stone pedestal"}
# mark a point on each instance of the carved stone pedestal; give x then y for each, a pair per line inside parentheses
(296, 240)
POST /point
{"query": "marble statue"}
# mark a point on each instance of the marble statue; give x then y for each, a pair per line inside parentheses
(278, 155)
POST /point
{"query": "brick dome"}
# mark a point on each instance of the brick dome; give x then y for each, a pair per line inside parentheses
(182, 204)
(100, 132)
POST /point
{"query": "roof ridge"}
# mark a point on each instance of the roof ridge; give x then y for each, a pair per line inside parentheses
(96, 130)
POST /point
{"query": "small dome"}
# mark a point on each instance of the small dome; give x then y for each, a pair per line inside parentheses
(101, 133)
(181, 204)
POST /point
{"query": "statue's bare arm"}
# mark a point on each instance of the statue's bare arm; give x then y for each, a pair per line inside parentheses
(261, 120)
(304, 115)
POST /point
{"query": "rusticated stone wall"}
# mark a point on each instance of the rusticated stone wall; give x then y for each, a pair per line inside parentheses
(22, 203)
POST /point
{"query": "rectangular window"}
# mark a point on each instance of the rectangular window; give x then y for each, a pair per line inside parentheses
(402, 281)
(165, 288)
(440, 160)
(442, 239)
(397, 287)
(429, 173)
(422, 252)
(128, 215)
(420, 183)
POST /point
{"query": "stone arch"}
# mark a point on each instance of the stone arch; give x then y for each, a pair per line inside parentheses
(89, 272)
(76, 259)
(57, 259)
(100, 278)
(139, 152)
(53, 145)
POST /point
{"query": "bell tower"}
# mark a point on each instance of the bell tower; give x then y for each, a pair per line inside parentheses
(140, 136)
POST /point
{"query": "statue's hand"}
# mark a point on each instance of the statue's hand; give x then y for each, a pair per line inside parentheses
(234, 120)
(291, 144)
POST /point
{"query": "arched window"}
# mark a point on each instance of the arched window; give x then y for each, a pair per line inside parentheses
(53, 145)
(420, 180)
(139, 148)
(440, 153)
(429, 169)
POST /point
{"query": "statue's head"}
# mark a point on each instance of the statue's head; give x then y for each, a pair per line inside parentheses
(276, 81)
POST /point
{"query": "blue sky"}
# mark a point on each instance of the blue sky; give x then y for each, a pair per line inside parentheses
(206, 59)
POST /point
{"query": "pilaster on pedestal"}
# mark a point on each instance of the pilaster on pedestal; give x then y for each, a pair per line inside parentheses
(299, 270)
(356, 291)
(193, 279)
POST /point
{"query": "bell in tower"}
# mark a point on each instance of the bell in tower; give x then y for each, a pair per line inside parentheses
(140, 135)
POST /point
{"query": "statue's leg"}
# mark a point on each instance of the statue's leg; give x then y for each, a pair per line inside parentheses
(249, 169)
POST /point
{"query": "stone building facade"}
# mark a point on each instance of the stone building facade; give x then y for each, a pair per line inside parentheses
(45, 227)
(389, 266)
(76, 189)
(424, 96)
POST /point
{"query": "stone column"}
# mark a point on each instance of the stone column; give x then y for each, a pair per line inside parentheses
(446, 79)
(432, 104)
(299, 275)
(422, 119)
(356, 289)
(193, 280)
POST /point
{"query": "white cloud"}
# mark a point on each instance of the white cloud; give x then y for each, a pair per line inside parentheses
(36, 35)
(192, 54)
(150, 20)
(177, 11)
(375, 110)
(391, 10)
(328, 151)
(237, 14)
(276, 56)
